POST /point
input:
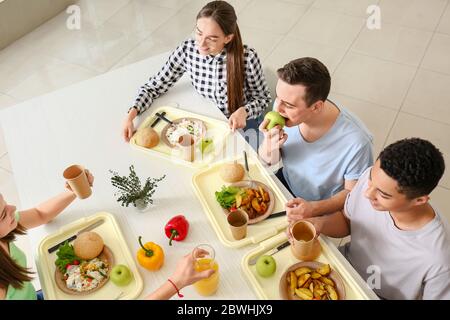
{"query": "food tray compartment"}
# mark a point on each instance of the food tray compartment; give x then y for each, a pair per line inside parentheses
(208, 181)
(112, 237)
(215, 129)
(268, 288)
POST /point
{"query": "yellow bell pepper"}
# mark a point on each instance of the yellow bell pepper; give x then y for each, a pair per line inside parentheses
(150, 256)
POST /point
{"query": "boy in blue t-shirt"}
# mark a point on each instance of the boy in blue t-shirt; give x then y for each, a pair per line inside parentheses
(324, 148)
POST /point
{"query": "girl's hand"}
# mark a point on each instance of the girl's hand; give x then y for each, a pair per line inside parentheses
(238, 120)
(90, 178)
(127, 130)
(185, 273)
(128, 127)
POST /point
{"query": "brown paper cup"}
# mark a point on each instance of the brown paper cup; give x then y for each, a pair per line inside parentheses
(238, 221)
(77, 179)
(186, 146)
(304, 242)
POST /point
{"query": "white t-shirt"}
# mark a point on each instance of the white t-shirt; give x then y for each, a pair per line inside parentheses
(411, 264)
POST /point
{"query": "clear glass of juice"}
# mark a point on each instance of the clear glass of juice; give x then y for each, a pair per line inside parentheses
(204, 256)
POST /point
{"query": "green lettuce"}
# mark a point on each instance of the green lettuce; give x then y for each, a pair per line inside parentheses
(227, 196)
(66, 255)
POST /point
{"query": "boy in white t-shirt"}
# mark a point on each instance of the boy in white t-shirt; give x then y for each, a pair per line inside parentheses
(399, 242)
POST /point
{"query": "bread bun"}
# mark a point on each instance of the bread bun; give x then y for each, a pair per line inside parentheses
(147, 137)
(88, 245)
(232, 172)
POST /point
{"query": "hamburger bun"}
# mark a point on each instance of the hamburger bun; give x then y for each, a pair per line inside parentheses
(88, 245)
(147, 137)
(232, 172)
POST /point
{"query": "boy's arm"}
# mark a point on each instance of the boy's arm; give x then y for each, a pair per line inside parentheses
(299, 208)
(335, 225)
(333, 204)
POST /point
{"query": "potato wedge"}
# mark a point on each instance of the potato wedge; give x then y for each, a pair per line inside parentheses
(304, 294)
(324, 270)
(327, 281)
(250, 192)
(245, 199)
(261, 191)
(256, 205)
(238, 200)
(318, 284)
(293, 282)
(302, 270)
(263, 207)
(266, 197)
(318, 293)
(302, 279)
(331, 292)
(307, 283)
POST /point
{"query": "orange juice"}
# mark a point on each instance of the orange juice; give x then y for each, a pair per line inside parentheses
(208, 286)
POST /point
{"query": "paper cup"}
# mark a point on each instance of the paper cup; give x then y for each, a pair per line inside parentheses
(77, 179)
(304, 243)
(238, 221)
(186, 145)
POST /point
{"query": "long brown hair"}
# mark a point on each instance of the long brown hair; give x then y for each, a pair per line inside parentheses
(10, 272)
(223, 13)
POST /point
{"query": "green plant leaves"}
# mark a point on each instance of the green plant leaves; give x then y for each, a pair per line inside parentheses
(130, 188)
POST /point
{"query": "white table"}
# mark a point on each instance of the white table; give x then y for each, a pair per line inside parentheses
(82, 124)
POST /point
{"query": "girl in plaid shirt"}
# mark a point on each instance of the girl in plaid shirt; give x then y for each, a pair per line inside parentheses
(220, 67)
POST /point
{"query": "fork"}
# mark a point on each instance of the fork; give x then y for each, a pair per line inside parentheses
(162, 117)
(252, 182)
(155, 122)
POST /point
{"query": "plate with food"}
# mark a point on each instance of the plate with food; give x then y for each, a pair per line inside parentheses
(171, 133)
(254, 197)
(311, 280)
(85, 266)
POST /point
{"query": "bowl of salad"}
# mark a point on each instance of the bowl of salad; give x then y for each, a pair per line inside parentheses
(76, 276)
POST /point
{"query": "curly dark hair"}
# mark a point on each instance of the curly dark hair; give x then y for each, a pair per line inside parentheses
(416, 164)
(310, 73)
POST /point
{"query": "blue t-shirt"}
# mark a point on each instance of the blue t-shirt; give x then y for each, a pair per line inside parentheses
(316, 171)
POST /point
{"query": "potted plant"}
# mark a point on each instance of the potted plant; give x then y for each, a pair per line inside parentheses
(130, 189)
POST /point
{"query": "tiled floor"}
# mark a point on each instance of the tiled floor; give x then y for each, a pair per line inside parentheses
(395, 79)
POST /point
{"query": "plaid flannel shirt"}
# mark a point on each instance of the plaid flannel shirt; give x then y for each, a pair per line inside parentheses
(208, 76)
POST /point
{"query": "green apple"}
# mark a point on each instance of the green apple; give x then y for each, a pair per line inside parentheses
(274, 119)
(206, 145)
(121, 275)
(266, 266)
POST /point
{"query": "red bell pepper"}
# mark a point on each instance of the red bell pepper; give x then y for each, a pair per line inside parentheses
(177, 228)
